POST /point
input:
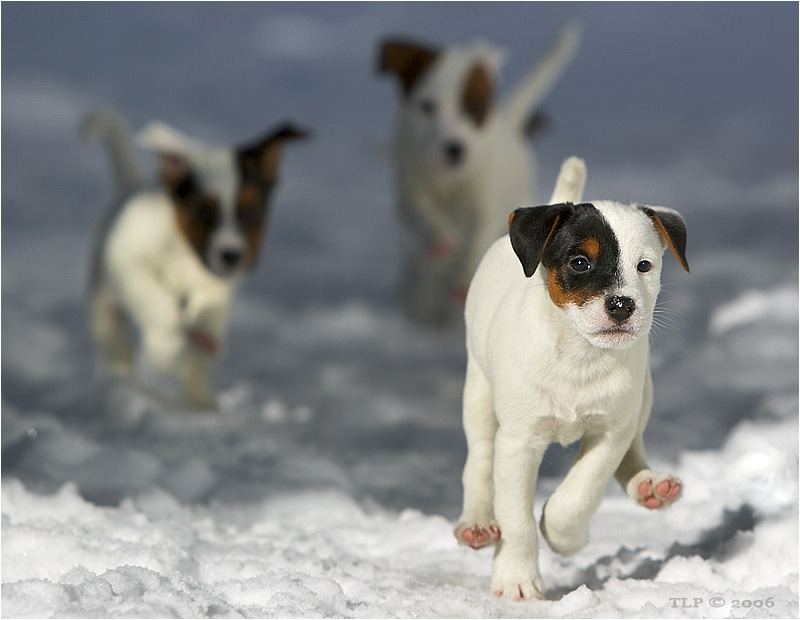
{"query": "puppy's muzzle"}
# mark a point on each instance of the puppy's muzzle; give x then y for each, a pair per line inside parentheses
(230, 258)
(619, 308)
(453, 152)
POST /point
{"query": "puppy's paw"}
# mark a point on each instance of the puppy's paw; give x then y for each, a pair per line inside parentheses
(205, 341)
(653, 490)
(523, 586)
(477, 535)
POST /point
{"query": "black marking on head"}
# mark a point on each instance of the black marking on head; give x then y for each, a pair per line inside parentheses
(258, 169)
(530, 229)
(196, 211)
(574, 243)
(672, 229)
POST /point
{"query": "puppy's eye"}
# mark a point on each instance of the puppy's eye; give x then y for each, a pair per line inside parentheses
(644, 266)
(427, 107)
(580, 264)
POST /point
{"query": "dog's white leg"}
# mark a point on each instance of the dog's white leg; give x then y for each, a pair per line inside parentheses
(195, 373)
(515, 573)
(476, 526)
(566, 515)
(110, 330)
(157, 313)
(644, 486)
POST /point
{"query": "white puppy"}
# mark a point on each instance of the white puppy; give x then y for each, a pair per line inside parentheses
(169, 257)
(462, 159)
(558, 351)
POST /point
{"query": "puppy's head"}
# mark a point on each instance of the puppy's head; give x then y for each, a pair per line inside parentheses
(601, 263)
(447, 101)
(221, 196)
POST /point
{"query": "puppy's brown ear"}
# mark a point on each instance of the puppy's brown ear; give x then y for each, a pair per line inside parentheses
(264, 153)
(173, 170)
(407, 60)
(672, 228)
(530, 230)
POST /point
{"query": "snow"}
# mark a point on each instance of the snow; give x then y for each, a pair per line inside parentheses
(329, 482)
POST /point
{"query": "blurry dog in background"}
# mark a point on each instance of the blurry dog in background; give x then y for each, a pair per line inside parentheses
(461, 161)
(558, 316)
(169, 257)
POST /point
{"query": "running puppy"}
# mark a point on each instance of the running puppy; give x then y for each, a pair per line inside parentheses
(557, 320)
(461, 160)
(170, 257)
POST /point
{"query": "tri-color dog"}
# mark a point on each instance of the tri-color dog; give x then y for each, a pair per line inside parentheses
(169, 257)
(557, 319)
(462, 160)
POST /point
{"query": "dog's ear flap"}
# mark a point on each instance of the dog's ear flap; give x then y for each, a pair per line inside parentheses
(265, 152)
(407, 60)
(672, 229)
(172, 149)
(530, 230)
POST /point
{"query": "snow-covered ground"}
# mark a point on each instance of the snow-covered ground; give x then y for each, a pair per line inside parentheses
(328, 484)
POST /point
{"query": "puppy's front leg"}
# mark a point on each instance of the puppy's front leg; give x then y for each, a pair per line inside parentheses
(566, 515)
(477, 526)
(156, 311)
(515, 573)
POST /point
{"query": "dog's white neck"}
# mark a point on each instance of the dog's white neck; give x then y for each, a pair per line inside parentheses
(574, 358)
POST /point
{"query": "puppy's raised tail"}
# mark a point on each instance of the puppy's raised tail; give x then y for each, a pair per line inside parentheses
(526, 98)
(570, 182)
(108, 126)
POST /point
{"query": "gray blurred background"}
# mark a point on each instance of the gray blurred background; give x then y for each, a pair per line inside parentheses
(687, 105)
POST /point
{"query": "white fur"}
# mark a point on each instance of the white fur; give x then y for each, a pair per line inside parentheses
(538, 374)
(450, 214)
(151, 274)
(147, 273)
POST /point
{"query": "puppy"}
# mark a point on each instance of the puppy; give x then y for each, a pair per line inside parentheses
(461, 159)
(170, 257)
(557, 319)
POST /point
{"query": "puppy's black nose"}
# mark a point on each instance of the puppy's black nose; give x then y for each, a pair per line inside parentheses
(620, 308)
(454, 152)
(230, 258)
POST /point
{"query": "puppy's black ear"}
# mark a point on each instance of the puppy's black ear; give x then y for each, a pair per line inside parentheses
(407, 60)
(264, 153)
(672, 228)
(531, 228)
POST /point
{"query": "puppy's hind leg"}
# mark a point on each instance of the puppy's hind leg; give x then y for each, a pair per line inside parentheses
(111, 330)
(477, 527)
(643, 485)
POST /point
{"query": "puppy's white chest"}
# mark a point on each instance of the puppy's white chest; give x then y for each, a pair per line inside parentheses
(566, 429)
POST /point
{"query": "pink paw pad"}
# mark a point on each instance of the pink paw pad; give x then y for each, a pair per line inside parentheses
(477, 536)
(204, 340)
(660, 495)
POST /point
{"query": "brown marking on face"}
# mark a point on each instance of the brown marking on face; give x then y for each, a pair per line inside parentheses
(511, 219)
(558, 295)
(251, 210)
(408, 61)
(196, 215)
(590, 249)
(562, 297)
(476, 98)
